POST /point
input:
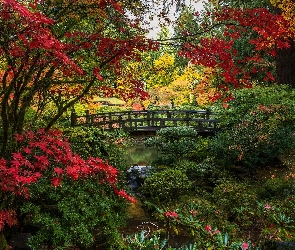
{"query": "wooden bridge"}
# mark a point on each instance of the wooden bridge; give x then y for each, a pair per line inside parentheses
(149, 120)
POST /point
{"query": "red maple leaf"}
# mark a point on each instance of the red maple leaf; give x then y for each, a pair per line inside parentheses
(56, 181)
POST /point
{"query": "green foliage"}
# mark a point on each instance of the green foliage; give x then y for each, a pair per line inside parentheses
(198, 218)
(69, 200)
(176, 133)
(74, 214)
(86, 141)
(165, 185)
(237, 201)
(246, 99)
(176, 142)
(259, 126)
(92, 141)
(141, 241)
(198, 172)
(278, 221)
(277, 188)
(215, 241)
(3, 243)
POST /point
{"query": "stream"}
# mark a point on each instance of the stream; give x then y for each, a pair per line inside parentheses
(140, 159)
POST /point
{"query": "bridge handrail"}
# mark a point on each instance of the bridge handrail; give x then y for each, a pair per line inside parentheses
(134, 119)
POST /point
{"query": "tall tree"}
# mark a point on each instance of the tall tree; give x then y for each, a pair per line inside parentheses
(242, 41)
(285, 57)
(52, 47)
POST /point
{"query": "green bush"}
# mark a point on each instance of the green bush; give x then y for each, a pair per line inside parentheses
(277, 188)
(176, 143)
(237, 200)
(278, 222)
(202, 220)
(72, 202)
(165, 185)
(256, 130)
(207, 171)
(246, 99)
(75, 214)
(92, 141)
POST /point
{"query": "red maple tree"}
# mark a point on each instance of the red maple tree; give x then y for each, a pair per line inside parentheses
(48, 155)
(60, 52)
(265, 34)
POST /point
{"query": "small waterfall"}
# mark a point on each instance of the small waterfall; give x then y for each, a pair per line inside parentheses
(136, 175)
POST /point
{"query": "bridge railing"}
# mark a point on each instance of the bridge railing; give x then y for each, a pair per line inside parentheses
(149, 120)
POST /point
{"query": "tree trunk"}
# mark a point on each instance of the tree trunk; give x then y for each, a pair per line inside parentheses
(285, 65)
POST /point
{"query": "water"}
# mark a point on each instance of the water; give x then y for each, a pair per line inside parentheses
(139, 220)
(139, 154)
(140, 158)
(136, 175)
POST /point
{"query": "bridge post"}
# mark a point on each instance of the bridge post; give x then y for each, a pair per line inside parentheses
(121, 122)
(73, 119)
(153, 118)
(148, 118)
(88, 116)
(187, 118)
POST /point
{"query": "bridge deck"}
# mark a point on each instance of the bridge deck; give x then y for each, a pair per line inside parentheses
(149, 120)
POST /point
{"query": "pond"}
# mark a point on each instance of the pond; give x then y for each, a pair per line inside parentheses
(139, 154)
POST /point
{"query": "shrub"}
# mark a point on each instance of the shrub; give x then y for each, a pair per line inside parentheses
(165, 185)
(246, 99)
(205, 172)
(92, 141)
(76, 214)
(203, 221)
(67, 197)
(278, 223)
(176, 143)
(86, 141)
(277, 188)
(257, 131)
(237, 200)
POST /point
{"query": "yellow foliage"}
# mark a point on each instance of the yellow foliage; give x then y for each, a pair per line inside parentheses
(205, 90)
(164, 62)
(288, 10)
(164, 72)
(182, 90)
(178, 91)
(3, 63)
(191, 74)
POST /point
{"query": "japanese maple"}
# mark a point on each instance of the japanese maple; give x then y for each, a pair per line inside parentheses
(58, 52)
(48, 155)
(244, 45)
